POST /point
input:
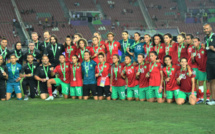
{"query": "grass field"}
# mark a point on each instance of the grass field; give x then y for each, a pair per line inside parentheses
(108, 117)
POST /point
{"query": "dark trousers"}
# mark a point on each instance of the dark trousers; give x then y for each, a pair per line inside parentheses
(33, 86)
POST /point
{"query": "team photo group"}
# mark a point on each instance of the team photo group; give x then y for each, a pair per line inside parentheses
(146, 68)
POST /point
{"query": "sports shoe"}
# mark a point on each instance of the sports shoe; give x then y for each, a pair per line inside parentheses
(200, 101)
(211, 103)
(61, 95)
(50, 98)
(26, 98)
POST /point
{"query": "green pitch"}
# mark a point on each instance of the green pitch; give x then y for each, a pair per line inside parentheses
(107, 117)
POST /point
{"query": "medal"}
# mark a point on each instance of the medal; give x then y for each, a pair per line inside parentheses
(207, 48)
(74, 72)
(63, 69)
(115, 78)
(87, 67)
(46, 72)
(100, 71)
(54, 51)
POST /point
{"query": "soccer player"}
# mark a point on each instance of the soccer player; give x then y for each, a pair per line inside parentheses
(187, 84)
(171, 48)
(200, 57)
(18, 52)
(182, 47)
(76, 82)
(82, 46)
(137, 47)
(3, 78)
(169, 73)
(96, 49)
(159, 47)
(54, 50)
(77, 37)
(155, 76)
(117, 83)
(141, 75)
(210, 47)
(89, 79)
(63, 79)
(42, 74)
(103, 81)
(125, 43)
(4, 51)
(27, 73)
(70, 49)
(34, 37)
(43, 45)
(148, 47)
(112, 47)
(129, 72)
(101, 42)
(32, 50)
(14, 72)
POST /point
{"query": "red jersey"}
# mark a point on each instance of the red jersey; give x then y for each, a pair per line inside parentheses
(160, 49)
(104, 74)
(94, 50)
(200, 58)
(60, 72)
(183, 52)
(80, 53)
(117, 70)
(114, 47)
(143, 81)
(130, 72)
(69, 52)
(77, 82)
(147, 49)
(185, 83)
(155, 77)
(172, 83)
(189, 52)
(172, 50)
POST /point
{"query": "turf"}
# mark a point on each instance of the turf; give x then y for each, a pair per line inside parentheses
(112, 117)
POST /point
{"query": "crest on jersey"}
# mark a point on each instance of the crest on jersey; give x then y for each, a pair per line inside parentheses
(132, 67)
(66, 66)
(91, 65)
(203, 52)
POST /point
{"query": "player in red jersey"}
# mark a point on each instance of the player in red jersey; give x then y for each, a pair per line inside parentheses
(148, 47)
(155, 76)
(63, 71)
(96, 49)
(182, 47)
(76, 83)
(159, 47)
(117, 83)
(70, 49)
(102, 71)
(199, 55)
(112, 47)
(82, 47)
(129, 72)
(101, 42)
(77, 37)
(171, 48)
(187, 84)
(143, 68)
(169, 71)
